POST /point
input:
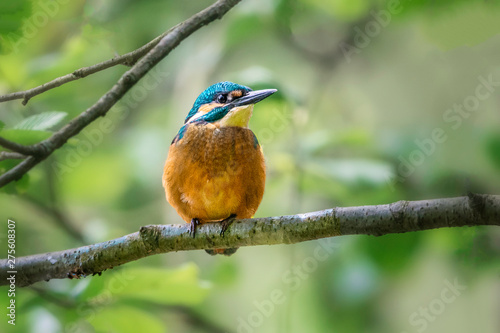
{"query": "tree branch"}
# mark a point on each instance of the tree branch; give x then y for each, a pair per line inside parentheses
(399, 217)
(167, 43)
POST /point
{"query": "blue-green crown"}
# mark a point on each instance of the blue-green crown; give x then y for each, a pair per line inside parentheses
(218, 93)
(209, 95)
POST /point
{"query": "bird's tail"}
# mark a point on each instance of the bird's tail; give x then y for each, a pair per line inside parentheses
(226, 252)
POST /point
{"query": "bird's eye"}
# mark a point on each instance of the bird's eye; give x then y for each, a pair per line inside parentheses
(221, 99)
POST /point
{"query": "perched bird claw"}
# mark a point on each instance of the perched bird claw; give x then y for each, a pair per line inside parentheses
(226, 223)
(192, 227)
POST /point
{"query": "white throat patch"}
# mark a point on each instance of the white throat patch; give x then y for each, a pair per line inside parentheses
(238, 116)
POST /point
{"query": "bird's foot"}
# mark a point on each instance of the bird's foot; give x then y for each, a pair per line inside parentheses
(226, 223)
(192, 227)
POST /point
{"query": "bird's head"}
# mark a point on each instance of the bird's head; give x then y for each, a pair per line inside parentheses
(227, 104)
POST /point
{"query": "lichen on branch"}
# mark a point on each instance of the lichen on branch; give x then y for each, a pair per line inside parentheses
(399, 217)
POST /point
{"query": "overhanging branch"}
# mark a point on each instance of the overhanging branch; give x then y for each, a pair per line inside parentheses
(160, 50)
(399, 217)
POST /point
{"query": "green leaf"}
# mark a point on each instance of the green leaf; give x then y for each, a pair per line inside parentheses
(42, 121)
(25, 137)
(123, 319)
(2, 125)
(12, 15)
(351, 171)
(180, 286)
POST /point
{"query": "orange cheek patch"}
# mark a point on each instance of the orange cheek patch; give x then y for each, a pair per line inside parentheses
(236, 94)
(206, 108)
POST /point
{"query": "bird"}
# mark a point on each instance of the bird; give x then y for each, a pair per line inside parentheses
(215, 169)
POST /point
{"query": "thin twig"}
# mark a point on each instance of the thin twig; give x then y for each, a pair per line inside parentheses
(124, 84)
(399, 217)
(7, 155)
(19, 148)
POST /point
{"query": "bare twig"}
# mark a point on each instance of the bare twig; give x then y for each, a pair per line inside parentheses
(399, 217)
(7, 155)
(41, 150)
(21, 149)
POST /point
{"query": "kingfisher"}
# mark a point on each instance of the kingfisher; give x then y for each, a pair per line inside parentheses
(215, 169)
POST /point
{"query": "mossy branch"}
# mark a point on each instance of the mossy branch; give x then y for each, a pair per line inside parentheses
(399, 217)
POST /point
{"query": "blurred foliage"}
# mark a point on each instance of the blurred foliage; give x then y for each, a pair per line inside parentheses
(12, 15)
(345, 129)
(109, 304)
(41, 121)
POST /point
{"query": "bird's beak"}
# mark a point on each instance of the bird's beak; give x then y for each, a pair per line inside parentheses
(253, 97)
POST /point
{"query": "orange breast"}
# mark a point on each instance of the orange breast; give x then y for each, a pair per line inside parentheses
(213, 172)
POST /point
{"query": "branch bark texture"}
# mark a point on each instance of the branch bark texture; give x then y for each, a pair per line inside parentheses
(399, 217)
(38, 152)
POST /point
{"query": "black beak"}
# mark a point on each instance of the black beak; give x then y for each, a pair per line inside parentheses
(253, 97)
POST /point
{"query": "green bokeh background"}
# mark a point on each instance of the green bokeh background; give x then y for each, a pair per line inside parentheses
(345, 129)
